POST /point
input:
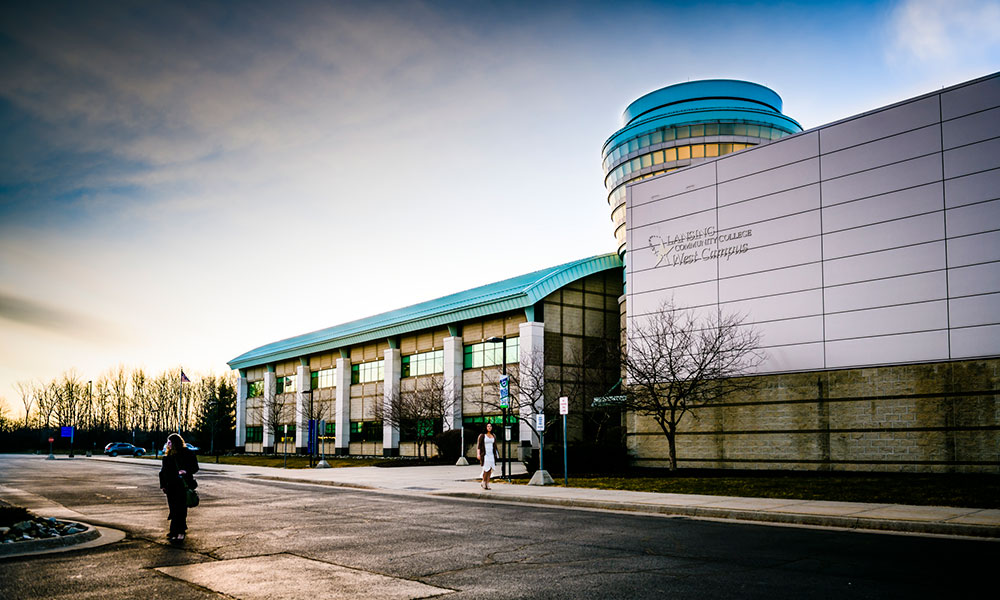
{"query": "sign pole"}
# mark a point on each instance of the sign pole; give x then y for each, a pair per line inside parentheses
(564, 410)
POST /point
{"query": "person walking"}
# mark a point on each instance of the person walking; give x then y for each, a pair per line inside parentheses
(488, 454)
(176, 475)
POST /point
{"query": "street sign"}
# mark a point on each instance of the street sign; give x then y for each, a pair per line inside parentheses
(540, 422)
(564, 405)
(52, 440)
(66, 432)
(504, 390)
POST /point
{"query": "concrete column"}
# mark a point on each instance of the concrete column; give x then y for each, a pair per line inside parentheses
(342, 409)
(302, 395)
(532, 360)
(241, 411)
(270, 389)
(390, 391)
(454, 363)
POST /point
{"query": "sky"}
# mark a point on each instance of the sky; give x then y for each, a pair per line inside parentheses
(181, 182)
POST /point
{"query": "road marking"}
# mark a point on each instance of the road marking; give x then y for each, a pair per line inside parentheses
(126, 487)
(285, 576)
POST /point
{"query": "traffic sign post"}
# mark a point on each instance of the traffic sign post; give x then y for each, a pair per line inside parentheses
(540, 428)
(504, 403)
(564, 410)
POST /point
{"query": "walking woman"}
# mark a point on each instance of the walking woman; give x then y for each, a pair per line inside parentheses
(179, 464)
(488, 454)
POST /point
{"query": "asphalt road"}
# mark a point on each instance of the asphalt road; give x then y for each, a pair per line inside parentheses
(260, 539)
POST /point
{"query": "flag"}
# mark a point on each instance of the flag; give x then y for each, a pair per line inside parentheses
(184, 378)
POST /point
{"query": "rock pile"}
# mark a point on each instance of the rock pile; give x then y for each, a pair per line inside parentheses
(38, 528)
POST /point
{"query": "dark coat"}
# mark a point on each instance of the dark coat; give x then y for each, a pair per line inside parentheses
(183, 460)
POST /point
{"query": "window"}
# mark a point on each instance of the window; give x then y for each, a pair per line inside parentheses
(255, 389)
(415, 429)
(368, 372)
(490, 354)
(366, 431)
(255, 434)
(285, 385)
(322, 379)
(424, 363)
(331, 429)
(478, 424)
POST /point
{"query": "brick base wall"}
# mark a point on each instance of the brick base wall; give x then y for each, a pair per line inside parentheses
(928, 417)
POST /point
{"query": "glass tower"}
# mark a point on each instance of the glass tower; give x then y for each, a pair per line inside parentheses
(684, 124)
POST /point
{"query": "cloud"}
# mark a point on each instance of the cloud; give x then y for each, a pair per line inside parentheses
(30, 312)
(944, 30)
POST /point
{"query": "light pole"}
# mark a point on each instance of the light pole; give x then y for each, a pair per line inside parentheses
(503, 406)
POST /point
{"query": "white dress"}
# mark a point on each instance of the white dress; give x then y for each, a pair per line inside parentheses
(489, 459)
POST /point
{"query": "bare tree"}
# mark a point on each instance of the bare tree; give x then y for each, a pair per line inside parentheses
(27, 394)
(416, 409)
(46, 393)
(676, 361)
(273, 413)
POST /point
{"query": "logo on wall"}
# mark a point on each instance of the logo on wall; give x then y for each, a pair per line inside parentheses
(697, 245)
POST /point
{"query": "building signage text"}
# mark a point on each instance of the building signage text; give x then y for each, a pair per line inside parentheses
(696, 245)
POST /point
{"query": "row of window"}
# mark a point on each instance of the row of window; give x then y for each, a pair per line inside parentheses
(491, 354)
(483, 354)
(368, 372)
(668, 134)
(424, 363)
(371, 431)
(659, 157)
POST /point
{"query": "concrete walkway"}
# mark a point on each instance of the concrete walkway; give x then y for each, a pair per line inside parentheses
(462, 482)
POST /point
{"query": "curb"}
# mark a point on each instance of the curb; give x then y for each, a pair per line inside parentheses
(56, 543)
(356, 486)
(984, 532)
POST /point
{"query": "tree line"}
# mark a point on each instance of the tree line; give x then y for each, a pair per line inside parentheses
(128, 402)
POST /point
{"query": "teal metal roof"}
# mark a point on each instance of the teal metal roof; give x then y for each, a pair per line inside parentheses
(510, 294)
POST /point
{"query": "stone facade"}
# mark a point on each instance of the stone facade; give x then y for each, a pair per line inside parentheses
(940, 417)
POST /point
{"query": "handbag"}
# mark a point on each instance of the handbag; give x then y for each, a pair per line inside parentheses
(190, 495)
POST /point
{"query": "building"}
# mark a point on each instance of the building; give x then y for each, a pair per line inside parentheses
(683, 125)
(867, 254)
(543, 322)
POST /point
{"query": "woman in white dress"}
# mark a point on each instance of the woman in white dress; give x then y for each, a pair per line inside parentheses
(488, 454)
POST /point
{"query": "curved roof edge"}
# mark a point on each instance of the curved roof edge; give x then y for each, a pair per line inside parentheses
(502, 296)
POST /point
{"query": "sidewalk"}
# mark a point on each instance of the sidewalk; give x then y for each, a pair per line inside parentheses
(462, 482)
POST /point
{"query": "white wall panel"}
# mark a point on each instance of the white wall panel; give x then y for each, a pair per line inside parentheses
(970, 98)
(904, 203)
(682, 181)
(882, 321)
(889, 263)
(885, 292)
(792, 331)
(771, 257)
(770, 207)
(800, 357)
(972, 188)
(780, 229)
(974, 218)
(882, 236)
(769, 156)
(910, 347)
(926, 140)
(974, 249)
(798, 304)
(699, 294)
(975, 279)
(890, 178)
(883, 123)
(975, 341)
(776, 180)
(975, 310)
(981, 156)
(674, 207)
(792, 279)
(972, 128)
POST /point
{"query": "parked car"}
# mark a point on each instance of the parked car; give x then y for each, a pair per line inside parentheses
(116, 448)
